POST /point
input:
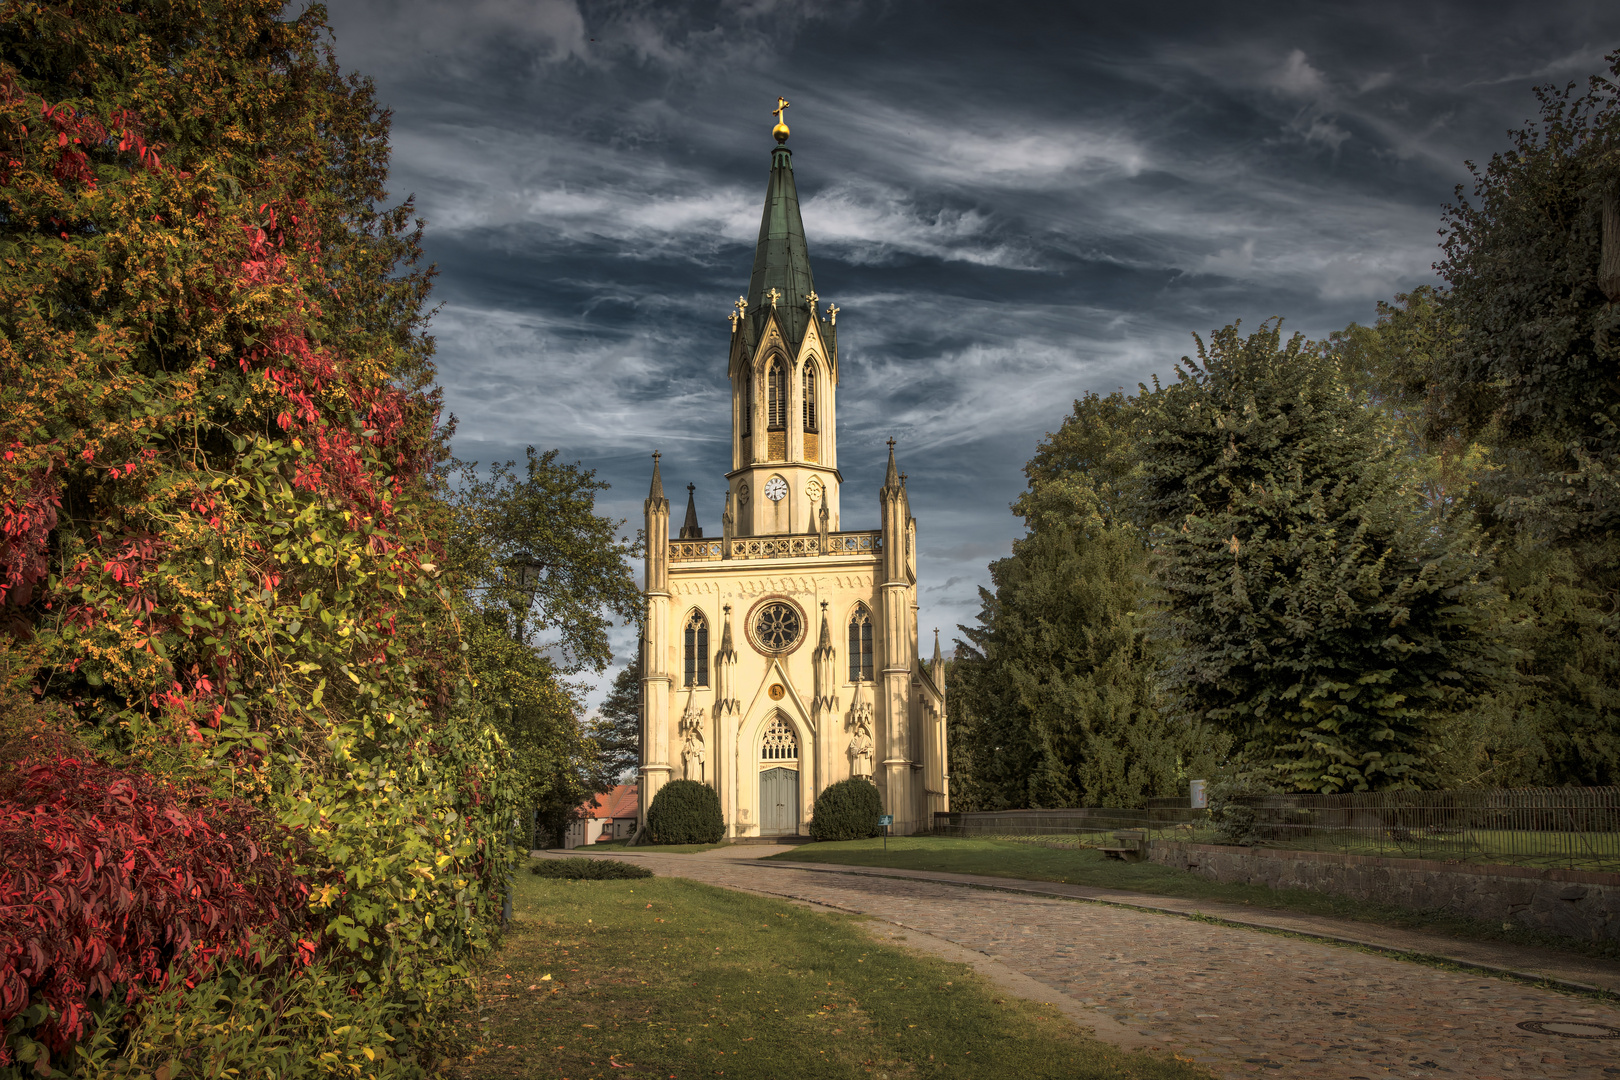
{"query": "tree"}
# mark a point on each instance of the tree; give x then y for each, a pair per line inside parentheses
(1055, 687)
(530, 547)
(1313, 609)
(1533, 266)
(618, 728)
(218, 541)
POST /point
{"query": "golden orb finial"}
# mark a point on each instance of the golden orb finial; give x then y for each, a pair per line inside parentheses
(781, 129)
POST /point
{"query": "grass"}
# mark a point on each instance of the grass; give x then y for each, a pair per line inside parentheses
(666, 978)
(1084, 866)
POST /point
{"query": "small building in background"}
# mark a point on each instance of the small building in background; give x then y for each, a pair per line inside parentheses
(607, 817)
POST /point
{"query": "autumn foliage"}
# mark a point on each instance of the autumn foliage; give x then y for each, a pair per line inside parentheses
(218, 535)
(112, 883)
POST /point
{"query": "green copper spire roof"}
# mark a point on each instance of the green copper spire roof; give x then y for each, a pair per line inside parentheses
(781, 262)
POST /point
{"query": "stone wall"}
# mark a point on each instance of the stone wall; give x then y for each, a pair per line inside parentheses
(1576, 903)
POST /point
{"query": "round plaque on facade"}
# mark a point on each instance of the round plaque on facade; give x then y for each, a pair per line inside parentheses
(777, 627)
(777, 693)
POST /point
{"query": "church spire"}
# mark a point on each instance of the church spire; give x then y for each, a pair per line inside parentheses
(891, 481)
(691, 530)
(781, 260)
(656, 493)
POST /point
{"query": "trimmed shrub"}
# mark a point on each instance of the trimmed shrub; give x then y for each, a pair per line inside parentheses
(588, 869)
(848, 810)
(685, 812)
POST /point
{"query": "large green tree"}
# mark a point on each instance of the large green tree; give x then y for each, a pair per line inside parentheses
(1054, 692)
(1532, 262)
(539, 576)
(1314, 608)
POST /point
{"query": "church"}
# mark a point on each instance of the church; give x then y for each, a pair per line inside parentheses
(782, 655)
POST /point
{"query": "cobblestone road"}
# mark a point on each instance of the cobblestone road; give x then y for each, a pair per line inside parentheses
(1242, 1002)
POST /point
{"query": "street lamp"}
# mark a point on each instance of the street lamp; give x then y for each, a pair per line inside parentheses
(523, 572)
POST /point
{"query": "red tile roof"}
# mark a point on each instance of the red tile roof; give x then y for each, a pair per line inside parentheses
(619, 803)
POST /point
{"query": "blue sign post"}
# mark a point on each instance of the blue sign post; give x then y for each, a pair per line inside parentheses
(886, 820)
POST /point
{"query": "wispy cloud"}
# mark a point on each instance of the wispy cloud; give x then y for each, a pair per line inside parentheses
(1012, 208)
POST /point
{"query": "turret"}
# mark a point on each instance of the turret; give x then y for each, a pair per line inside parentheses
(655, 674)
(691, 530)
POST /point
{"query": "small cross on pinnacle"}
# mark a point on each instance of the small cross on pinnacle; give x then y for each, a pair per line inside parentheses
(812, 298)
(775, 295)
(656, 455)
(891, 444)
(832, 314)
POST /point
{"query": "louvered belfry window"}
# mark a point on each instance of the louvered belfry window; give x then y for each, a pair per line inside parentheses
(860, 646)
(745, 401)
(775, 397)
(810, 397)
(697, 650)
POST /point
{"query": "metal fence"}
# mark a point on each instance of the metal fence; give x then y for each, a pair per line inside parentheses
(1567, 827)
(1577, 828)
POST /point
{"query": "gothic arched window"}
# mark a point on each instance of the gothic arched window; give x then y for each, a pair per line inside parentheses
(780, 744)
(860, 645)
(810, 397)
(745, 400)
(775, 397)
(697, 649)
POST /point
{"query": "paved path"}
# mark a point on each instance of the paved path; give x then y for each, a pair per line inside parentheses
(1241, 1001)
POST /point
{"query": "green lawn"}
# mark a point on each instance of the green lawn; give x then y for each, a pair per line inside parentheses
(661, 978)
(1083, 866)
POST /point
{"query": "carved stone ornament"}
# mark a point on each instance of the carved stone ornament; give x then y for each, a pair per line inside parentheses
(692, 756)
(861, 748)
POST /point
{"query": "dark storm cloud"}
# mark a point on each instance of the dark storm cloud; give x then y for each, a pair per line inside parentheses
(1012, 205)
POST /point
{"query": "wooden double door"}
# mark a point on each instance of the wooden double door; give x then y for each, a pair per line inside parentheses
(778, 802)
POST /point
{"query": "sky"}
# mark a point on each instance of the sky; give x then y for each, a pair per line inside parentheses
(1011, 204)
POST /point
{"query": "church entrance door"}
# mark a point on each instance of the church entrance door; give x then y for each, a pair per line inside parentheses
(779, 802)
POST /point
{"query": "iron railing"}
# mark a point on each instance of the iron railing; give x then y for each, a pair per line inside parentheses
(1576, 828)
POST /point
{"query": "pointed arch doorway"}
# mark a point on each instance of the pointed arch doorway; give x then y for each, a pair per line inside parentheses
(779, 779)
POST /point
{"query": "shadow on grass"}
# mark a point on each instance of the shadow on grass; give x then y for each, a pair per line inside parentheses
(669, 978)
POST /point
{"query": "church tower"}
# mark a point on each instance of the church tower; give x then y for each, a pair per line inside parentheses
(781, 657)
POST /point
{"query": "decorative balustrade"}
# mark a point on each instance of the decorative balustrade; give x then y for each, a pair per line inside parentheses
(777, 547)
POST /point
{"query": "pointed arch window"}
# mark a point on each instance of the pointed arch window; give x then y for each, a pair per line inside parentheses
(697, 649)
(775, 397)
(745, 401)
(780, 743)
(810, 397)
(860, 645)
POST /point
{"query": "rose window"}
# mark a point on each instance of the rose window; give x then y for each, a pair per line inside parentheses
(777, 627)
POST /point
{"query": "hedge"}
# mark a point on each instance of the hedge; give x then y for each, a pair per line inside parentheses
(588, 869)
(685, 812)
(847, 810)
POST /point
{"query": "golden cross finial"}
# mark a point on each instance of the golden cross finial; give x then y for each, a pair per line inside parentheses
(774, 295)
(812, 298)
(832, 314)
(780, 131)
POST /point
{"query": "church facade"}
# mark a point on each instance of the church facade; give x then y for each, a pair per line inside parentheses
(782, 655)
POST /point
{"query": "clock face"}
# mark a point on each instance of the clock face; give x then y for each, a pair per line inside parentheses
(776, 489)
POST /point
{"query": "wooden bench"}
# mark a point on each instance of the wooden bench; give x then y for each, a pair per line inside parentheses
(1128, 845)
